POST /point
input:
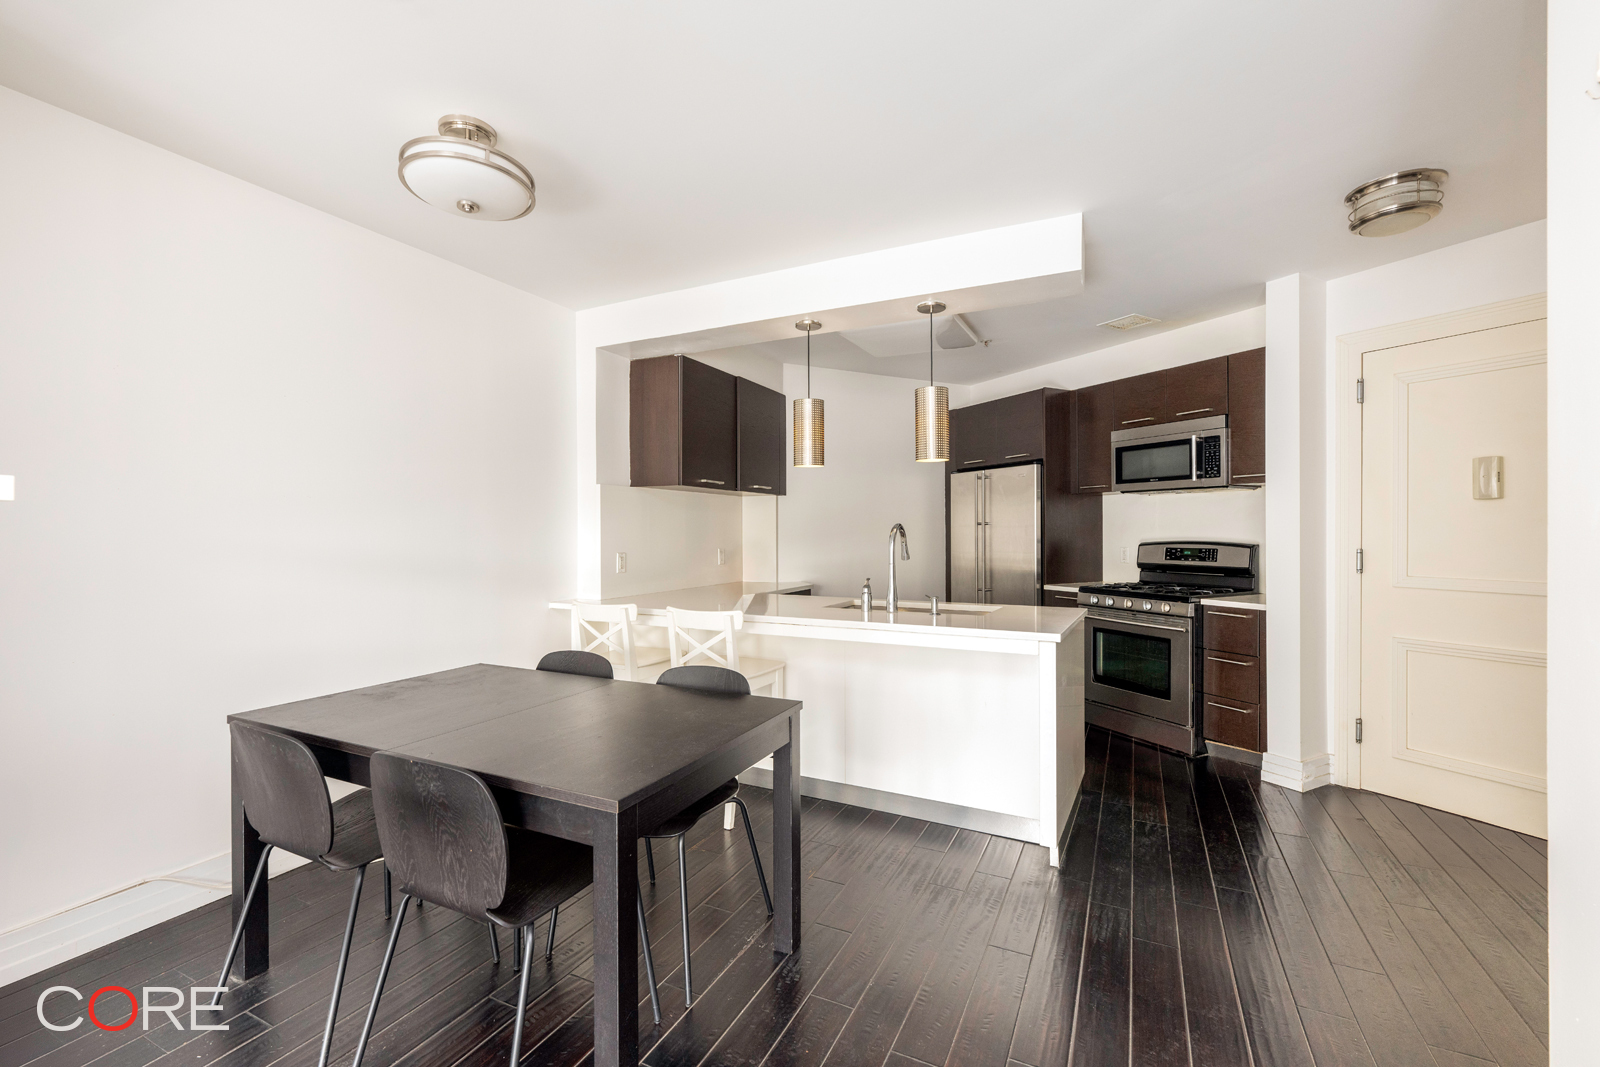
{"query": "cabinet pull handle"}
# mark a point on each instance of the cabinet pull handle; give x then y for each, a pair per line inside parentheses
(755, 486)
(969, 462)
(1019, 455)
(1225, 707)
(1228, 614)
(710, 481)
(1235, 662)
(1094, 487)
(1195, 411)
(1147, 418)
(1262, 475)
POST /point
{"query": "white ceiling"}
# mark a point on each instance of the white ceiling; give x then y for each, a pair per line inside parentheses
(1208, 145)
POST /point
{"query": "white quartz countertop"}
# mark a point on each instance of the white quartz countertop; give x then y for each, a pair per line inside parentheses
(1249, 601)
(760, 605)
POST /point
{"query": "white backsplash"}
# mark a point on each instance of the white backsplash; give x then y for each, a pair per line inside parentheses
(1221, 515)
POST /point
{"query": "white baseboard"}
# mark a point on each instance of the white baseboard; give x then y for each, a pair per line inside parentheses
(1300, 775)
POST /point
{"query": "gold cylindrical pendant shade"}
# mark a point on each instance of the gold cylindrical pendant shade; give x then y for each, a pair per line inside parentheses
(808, 432)
(933, 424)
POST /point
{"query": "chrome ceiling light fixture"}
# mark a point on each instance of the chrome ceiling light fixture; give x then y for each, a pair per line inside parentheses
(1397, 202)
(808, 412)
(460, 171)
(933, 403)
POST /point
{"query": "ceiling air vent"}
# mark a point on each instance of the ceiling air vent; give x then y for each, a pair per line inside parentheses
(1129, 322)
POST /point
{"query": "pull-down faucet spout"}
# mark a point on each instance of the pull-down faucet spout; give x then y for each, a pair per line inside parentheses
(892, 603)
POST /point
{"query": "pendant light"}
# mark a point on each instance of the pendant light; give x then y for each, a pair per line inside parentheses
(933, 403)
(808, 412)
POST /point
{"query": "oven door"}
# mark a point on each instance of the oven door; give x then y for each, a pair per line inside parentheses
(1141, 665)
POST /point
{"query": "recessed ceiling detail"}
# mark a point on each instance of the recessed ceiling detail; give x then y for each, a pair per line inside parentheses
(1128, 322)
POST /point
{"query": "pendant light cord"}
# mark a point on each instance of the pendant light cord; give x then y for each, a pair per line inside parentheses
(808, 364)
(930, 348)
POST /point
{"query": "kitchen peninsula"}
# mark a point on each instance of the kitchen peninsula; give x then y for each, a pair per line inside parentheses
(972, 717)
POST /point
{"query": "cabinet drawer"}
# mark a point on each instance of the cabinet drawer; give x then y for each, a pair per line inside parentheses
(1230, 677)
(1060, 600)
(1233, 722)
(1233, 630)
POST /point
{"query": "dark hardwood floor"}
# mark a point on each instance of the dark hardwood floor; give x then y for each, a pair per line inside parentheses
(1199, 917)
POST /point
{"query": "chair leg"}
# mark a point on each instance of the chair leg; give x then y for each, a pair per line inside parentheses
(494, 943)
(383, 975)
(522, 994)
(516, 953)
(649, 958)
(344, 961)
(550, 942)
(244, 912)
(755, 855)
(683, 906)
(650, 860)
(727, 815)
(388, 893)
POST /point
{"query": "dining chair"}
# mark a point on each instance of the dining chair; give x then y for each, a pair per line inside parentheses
(766, 676)
(286, 800)
(572, 661)
(608, 630)
(712, 680)
(444, 837)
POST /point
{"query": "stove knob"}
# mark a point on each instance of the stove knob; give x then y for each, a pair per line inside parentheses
(1127, 603)
(1147, 605)
(1094, 600)
(1166, 608)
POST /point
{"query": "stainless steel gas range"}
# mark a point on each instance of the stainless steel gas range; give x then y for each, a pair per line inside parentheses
(1143, 661)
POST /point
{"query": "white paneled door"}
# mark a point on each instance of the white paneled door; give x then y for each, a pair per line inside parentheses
(1453, 584)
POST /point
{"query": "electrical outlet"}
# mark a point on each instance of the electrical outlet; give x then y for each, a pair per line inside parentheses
(622, 563)
(1124, 553)
(722, 557)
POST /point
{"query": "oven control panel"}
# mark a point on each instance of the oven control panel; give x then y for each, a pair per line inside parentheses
(1122, 603)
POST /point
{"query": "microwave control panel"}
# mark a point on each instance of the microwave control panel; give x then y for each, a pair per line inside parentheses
(1208, 463)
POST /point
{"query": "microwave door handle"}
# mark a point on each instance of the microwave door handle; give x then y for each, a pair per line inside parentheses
(1194, 457)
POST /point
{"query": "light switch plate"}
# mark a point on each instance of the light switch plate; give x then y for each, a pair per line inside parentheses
(1488, 478)
(721, 557)
(8, 487)
(622, 563)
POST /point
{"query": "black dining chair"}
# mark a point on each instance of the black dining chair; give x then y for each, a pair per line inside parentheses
(712, 680)
(286, 800)
(572, 661)
(444, 838)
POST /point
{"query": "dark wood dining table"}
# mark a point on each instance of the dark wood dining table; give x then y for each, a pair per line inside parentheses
(585, 759)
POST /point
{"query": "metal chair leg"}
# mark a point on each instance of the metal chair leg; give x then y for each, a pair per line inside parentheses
(244, 912)
(494, 943)
(344, 961)
(755, 855)
(683, 906)
(516, 953)
(383, 976)
(522, 995)
(388, 894)
(650, 860)
(550, 942)
(649, 959)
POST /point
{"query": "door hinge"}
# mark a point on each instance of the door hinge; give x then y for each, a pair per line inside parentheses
(1361, 390)
(1360, 561)
(1358, 731)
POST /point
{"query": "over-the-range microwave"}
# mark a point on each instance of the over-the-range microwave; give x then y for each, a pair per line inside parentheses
(1173, 455)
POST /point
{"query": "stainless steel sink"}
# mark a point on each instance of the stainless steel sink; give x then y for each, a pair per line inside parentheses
(908, 607)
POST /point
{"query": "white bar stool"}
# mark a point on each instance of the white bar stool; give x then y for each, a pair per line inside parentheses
(608, 630)
(766, 676)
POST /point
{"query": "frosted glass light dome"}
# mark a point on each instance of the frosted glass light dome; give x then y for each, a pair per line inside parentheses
(461, 172)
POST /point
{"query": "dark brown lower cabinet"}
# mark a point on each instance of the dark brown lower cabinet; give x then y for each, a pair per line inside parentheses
(1233, 677)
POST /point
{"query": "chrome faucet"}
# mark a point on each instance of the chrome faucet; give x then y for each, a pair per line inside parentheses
(892, 601)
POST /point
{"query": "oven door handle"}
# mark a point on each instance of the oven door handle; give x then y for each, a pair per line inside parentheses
(1145, 625)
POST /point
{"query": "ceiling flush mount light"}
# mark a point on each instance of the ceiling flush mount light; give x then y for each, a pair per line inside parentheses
(808, 412)
(460, 171)
(1396, 203)
(933, 403)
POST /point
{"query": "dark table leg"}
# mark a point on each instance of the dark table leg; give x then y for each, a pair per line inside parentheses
(247, 849)
(786, 841)
(616, 940)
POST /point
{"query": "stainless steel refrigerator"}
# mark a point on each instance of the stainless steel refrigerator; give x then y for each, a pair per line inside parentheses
(995, 536)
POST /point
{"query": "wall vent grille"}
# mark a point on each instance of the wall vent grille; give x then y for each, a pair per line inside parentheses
(1129, 322)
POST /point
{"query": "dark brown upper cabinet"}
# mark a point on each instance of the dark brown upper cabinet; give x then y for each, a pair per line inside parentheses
(684, 428)
(1177, 394)
(1247, 416)
(761, 453)
(1008, 430)
(971, 437)
(1092, 439)
(1139, 401)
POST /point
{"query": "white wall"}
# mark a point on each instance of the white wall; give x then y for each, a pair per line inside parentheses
(671, 539)
(1227, 515)
(1574, 738)
(261, 454)
(834, 522)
